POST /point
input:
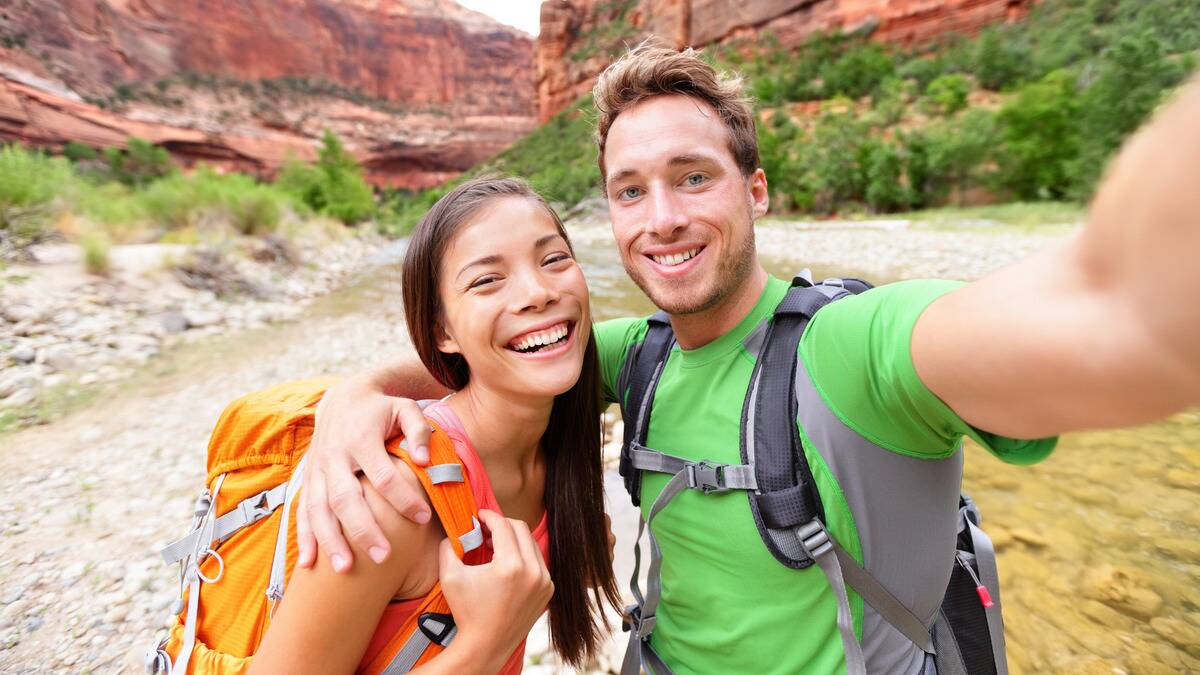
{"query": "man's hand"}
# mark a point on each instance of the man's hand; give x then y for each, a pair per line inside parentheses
(353, 421)
(496, 604)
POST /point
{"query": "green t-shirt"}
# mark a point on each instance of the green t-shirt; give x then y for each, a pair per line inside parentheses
(727, 605)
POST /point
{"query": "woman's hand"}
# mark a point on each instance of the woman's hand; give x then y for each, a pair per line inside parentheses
(496, 604)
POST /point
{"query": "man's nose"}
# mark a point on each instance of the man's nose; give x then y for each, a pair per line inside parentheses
(667, 213)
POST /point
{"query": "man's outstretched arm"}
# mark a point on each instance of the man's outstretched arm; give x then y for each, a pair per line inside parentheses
(1103, 330)
(366, 409)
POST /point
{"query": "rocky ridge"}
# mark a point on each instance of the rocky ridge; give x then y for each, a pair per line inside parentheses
(578, 36)
(419, 89)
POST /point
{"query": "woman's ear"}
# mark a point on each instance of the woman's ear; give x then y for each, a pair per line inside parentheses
(445, 342)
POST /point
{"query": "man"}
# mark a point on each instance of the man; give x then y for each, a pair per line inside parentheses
(1099, 331)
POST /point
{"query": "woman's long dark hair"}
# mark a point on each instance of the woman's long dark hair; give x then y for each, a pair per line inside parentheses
(579, 562)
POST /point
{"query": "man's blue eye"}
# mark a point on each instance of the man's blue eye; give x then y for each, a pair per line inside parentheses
(695, 179)
(630, 193)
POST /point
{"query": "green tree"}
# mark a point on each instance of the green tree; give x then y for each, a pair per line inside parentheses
(334, 186)
(858, 71)
(1041, 138)
(947, 94)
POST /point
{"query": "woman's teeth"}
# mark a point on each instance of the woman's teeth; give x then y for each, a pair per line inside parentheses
(541, 339)
(675, 259)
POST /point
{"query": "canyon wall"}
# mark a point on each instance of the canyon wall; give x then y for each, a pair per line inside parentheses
(418, 89)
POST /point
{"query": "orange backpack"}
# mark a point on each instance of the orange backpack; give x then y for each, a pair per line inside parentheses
(242, 545)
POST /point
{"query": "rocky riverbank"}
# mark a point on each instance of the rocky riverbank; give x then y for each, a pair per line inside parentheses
(60, 327)
(1097, 545)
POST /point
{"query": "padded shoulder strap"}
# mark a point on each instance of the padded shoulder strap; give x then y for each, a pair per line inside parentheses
(431, 628)
(449, 494)
(786, 497)
(643, 366)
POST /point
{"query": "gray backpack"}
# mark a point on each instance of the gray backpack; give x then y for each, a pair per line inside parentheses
(967, 633)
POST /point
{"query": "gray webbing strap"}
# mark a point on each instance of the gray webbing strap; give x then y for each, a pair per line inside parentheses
(248, 511)
(473, 539)
(985, 558)
(889, 608)
(703, 475)
(203, 544)
(445, 473)
(415, 646)
(639, 650)
(279, 561)
(818, 545)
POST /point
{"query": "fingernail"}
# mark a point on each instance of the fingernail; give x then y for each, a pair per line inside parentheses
(421, 517)
(377, 553)
(339, 563)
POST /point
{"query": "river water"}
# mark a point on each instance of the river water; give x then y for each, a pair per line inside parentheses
(1099, 552)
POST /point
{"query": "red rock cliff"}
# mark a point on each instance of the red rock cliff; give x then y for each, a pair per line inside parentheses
(576, 35)
(419, 89)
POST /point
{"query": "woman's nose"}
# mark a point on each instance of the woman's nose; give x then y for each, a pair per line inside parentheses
(536, 293)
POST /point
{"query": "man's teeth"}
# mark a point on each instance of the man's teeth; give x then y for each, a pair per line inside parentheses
(676, 258)
(541, 338)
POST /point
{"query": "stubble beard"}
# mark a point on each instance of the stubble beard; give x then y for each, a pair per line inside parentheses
(732, 271)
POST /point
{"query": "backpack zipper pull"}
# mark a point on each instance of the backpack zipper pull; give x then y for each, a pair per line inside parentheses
(985, 598)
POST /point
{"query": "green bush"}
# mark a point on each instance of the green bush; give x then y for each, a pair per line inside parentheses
(955, 155)
(947, 94)
(884, 190)
(858, 71)
(30, 187)
(334, 186)
(208, 199)
(96, 245)
(1041, 138)
(1002, 58)
(79, 152)
(140, 163)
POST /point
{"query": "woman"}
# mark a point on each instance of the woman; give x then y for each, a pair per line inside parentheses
(497, 308)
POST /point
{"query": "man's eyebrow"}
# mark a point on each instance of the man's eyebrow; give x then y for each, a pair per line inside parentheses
(677, 160)
(686, 159)
(618, 176)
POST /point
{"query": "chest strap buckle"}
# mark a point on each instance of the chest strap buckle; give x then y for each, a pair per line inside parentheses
(708, 478)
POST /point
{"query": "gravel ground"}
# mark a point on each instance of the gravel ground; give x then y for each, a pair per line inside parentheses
(90, 498)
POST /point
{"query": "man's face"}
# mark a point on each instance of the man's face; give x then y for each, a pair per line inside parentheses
(682, 213)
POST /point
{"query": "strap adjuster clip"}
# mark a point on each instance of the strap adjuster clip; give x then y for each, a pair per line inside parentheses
(814, 538)
(255, 508)
(708, 478)
(633, 620)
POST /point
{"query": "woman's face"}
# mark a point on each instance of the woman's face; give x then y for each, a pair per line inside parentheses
(515, 301)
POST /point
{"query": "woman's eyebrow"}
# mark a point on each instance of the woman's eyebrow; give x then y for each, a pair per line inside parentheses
(547, 239)
(486, 260)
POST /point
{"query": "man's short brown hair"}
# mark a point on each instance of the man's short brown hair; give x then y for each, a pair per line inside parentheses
(650, 70)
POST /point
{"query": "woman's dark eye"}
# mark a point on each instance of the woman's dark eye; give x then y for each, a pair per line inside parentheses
(481, 281)
(557, 258)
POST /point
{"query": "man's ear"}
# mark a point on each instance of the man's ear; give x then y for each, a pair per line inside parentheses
(760, 197)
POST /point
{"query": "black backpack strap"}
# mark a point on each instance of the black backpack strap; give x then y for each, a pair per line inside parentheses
(635, 393)
(786, 497)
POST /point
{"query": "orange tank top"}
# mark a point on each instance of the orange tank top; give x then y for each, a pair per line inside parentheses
(399, 610)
